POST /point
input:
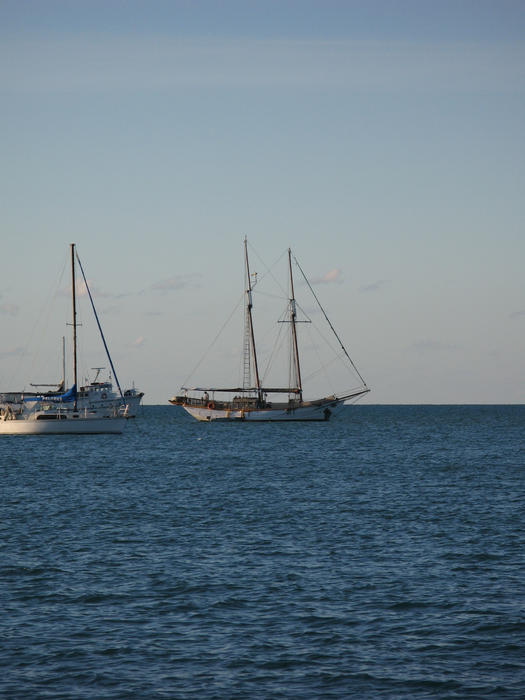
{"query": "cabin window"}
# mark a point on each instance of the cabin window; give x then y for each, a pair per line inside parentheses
(51, 416)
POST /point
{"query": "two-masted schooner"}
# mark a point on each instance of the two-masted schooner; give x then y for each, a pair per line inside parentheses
(256, 401)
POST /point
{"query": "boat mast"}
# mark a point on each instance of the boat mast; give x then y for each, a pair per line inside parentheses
(249, 305)
(73, 288)
(293, 317)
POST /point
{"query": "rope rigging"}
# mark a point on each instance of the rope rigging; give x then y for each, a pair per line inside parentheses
(99, 327)
(330, 323)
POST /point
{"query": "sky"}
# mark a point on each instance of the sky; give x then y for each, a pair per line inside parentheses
(382, 140)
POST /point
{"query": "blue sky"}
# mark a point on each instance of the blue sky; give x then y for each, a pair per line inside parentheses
(384, 140)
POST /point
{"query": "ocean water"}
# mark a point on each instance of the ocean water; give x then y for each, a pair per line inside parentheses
(380, 555)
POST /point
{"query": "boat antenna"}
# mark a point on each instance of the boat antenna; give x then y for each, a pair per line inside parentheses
(100, 328)
(98, 370)
(330, 323)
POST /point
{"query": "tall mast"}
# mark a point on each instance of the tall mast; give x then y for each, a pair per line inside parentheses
(249, 305)
(293, 317)
(73, 287)
(64, 362)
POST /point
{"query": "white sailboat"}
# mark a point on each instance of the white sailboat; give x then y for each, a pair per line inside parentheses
(254, 400)
(93, 393)
(64, 412)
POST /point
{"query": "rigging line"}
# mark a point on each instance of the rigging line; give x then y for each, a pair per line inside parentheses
(336, 352)
(320, 336)
(276, 347)
(268, 270)
(322, 366)
(280, 297)
(49, 300)
(99, 326)
(201, 360)
(329, 322)
(338, 356)
(308, 319)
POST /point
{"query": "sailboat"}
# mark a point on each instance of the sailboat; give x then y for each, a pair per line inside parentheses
(95, 393)
(64, 411)
(256, 401)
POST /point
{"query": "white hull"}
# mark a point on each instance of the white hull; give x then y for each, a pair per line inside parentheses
(132, 404)
(90, 399)
(100, 396)
(318, 411)
(69, 426)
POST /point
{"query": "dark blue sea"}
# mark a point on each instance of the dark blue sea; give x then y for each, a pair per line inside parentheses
(381, 555)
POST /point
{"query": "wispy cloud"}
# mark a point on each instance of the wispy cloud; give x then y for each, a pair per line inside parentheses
(374, 286)
(160, 63)
(9, 309)
(13, 352)
(334, 275)
(111, 310)
(96, 292)
(517, 314)
(176, 283)
(432, 346)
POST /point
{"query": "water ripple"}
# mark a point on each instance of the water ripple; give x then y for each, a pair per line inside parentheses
(380, 556)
